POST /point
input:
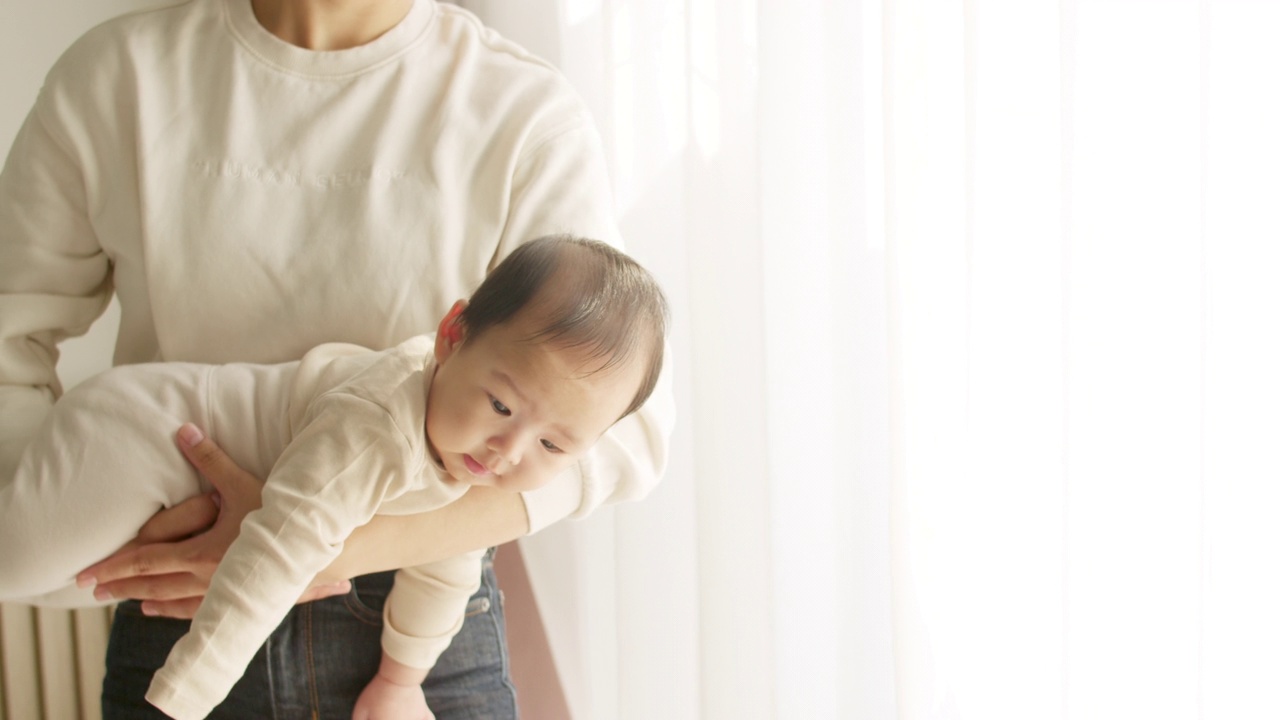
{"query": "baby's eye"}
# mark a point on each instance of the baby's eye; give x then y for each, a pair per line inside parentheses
(498, 407)
(550, 446)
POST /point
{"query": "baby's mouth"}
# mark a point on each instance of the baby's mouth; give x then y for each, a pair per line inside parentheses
(475, 468)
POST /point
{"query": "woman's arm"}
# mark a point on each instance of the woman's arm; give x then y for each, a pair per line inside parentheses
(482, 518)
(169, 565)
(54, 276)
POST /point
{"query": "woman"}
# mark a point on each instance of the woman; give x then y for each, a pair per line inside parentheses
(253, 178)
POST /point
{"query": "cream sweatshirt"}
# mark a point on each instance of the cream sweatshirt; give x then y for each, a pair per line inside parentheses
(247, 200)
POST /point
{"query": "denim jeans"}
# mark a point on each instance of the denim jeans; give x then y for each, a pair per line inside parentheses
(317, 661)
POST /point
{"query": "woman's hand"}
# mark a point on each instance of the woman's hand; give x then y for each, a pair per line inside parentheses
(169, 564)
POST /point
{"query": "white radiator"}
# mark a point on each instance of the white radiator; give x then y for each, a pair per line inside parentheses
(51, 662)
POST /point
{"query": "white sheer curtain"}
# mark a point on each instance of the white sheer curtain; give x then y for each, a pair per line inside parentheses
(755, 581)
(1083, 332)
(977, 349)
(978, 359)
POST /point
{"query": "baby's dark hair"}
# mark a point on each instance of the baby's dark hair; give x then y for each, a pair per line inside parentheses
(589, 296)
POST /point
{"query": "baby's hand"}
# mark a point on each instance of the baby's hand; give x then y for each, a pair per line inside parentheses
(386, 700)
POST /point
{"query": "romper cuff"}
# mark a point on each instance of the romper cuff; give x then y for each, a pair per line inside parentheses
(413, 651)
(172, 701)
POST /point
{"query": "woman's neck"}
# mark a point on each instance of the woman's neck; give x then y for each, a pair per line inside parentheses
(329, 24)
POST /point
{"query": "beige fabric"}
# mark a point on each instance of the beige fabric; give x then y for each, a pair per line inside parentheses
(342, 435)
(117, 182)
(364, 233)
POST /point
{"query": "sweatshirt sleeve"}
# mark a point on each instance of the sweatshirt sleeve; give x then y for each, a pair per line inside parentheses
(561, 185)
(331, 478)
(54, 276)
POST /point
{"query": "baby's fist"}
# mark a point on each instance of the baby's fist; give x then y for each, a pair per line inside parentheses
(385, 700)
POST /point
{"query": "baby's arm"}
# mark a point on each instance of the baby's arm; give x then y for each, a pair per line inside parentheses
(330, 478)
(424, 611)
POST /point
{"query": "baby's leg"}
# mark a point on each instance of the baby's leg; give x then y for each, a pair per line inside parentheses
(103, 463)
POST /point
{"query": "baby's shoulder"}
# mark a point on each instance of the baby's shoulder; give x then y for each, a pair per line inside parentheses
(387, 379)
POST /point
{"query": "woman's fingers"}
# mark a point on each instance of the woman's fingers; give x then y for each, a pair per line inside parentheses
(153, 565)
(191, 516)
(154, 562)
(320, 592)
(215, 465)
(169, 565)
(183, 609)
(170, 588)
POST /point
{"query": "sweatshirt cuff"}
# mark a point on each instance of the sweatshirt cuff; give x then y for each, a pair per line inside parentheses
(558, 499)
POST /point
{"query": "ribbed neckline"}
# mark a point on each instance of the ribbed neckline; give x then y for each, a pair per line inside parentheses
(330, 63)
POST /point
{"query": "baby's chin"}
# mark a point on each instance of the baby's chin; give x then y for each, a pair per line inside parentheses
(468, 479)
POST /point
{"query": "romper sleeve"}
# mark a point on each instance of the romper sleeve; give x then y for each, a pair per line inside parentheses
(348, 455)
(426, 608)
(561, 185)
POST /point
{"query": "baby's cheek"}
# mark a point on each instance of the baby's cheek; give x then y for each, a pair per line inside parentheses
(534, 478)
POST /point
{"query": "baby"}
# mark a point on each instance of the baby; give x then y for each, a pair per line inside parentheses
(563, 339)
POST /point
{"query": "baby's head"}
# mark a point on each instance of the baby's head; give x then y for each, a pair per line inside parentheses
(563, 339)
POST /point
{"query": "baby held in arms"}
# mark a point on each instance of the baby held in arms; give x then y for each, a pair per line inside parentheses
(563, 339)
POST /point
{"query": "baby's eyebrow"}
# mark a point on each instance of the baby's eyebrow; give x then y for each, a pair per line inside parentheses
(573, 440)
(506, 379)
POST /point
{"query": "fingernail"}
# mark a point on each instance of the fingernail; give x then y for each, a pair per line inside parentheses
(85, 581)
(102, 594)
(217, 500)
(148, 610)
(190, 434)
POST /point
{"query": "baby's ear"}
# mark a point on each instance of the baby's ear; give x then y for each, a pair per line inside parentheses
(452, 331)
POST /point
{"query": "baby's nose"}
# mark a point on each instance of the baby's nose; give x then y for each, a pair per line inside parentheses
(507, 448)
